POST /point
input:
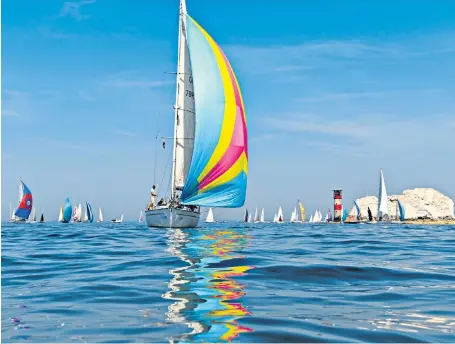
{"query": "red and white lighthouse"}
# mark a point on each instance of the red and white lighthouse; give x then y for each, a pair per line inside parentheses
(337, 205)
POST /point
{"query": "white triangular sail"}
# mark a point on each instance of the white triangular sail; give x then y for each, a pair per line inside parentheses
(256, 215)
(279, 216)
(311, 218)
(79, 213)
(383, 206)
(262, 216)
(274, 218)
(60, 215)
(210, 217)
(184, 109)
(100, 215)
(294, 215)
(250, 218)
(85, 215)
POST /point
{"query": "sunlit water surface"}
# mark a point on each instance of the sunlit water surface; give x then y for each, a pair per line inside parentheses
(228, 282)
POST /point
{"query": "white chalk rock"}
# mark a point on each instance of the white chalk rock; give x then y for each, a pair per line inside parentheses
(419, 203)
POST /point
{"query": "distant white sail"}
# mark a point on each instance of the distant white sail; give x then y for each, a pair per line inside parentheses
(85, 215)
(294, 215)
(210, 217)
(262, 216)
(274, 218)
(60, 215)
(256, 215)
(280, 217)
(100, 215)
(311, 218)
(249, 218)
(383, 206)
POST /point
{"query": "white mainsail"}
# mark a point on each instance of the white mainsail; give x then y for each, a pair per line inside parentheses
(383, 206)
(60, 215)
(100, 215)
(184, 110)
(293, 215)
(279, 217)
(256, 215)
(79, 213)
(85, 215)
(274, 218)
(210, 217)
(262, 216)
(311, 218)
(249, 218)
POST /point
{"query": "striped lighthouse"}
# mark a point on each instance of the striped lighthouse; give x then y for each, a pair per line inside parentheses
(337, 206)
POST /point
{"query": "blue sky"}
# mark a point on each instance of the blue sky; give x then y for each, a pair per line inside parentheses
(334, 91)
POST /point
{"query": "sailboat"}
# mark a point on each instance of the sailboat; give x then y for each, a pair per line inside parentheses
(67, 211)
(256, 215)
(60, 214)
(85, 219)
(32, 218)
(41, 220)
(279, 216)
(25, 204)
(245, 218)
(293, 215)
(370, 216)
(383, 204)
(100, 216)
(311, 219)
(141, 218)
(120, 220)
(261, 219)
(250, 219)
(88, 212)
(210, 150)
(78, 217)
(274, 218)
(302, 211)
(399, 212)
(210, 218)
(345, 215)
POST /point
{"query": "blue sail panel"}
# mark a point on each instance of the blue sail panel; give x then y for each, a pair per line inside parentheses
(89, 212)
(358, 210)
(402, 213)
(67, 211)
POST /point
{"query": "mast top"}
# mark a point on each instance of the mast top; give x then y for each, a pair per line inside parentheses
(183, 7)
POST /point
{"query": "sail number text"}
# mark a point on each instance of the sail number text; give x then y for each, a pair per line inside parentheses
(189, 93)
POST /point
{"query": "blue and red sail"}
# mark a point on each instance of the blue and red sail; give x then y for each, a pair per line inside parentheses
(25, 202)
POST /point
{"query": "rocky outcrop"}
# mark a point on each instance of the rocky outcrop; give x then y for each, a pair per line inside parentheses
(419, 204)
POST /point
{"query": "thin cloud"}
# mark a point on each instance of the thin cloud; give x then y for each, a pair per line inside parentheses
(356, 95)
(137, 83)
(124, 133)
(10, 113)
(72, 9)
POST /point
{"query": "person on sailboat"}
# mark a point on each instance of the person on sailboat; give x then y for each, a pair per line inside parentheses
(152, 198)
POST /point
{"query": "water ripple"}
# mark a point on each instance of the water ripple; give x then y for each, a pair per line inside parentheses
(228, 282)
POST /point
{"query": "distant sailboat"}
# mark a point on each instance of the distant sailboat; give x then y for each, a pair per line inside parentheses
(399, 212)
(33, 216)
(42, 216)
(79, 214)
(67, 211)
(302, 211)
(383, 204)
(141, 218)
(118, 220)
(89, 212)
(210, 218)
(245, 219)
(357, 210)
(100, 216)
(60, 214)
(256, 215)
(279, 216)
(275, 218)
(25, 203)
(262, 216)
(329, 216)
(85, 215)
(345, 215)
(370, 215)
(311, 219)
(250, 219)
(293, 215)
(402, 212)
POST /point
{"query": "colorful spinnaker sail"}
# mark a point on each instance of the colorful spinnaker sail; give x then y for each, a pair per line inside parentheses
(67, 211)
(219, 166)
(25, 202)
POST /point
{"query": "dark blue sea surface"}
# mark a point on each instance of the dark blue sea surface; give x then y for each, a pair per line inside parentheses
(228, 282)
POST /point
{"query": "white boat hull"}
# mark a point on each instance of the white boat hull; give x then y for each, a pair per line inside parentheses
(172, 218)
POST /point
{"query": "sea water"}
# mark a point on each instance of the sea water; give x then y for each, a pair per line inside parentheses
(228, 282)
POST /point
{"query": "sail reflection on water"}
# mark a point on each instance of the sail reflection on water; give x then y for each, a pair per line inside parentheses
(207, 297)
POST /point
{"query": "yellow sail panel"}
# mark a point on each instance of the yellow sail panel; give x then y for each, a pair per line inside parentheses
(302, 211)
